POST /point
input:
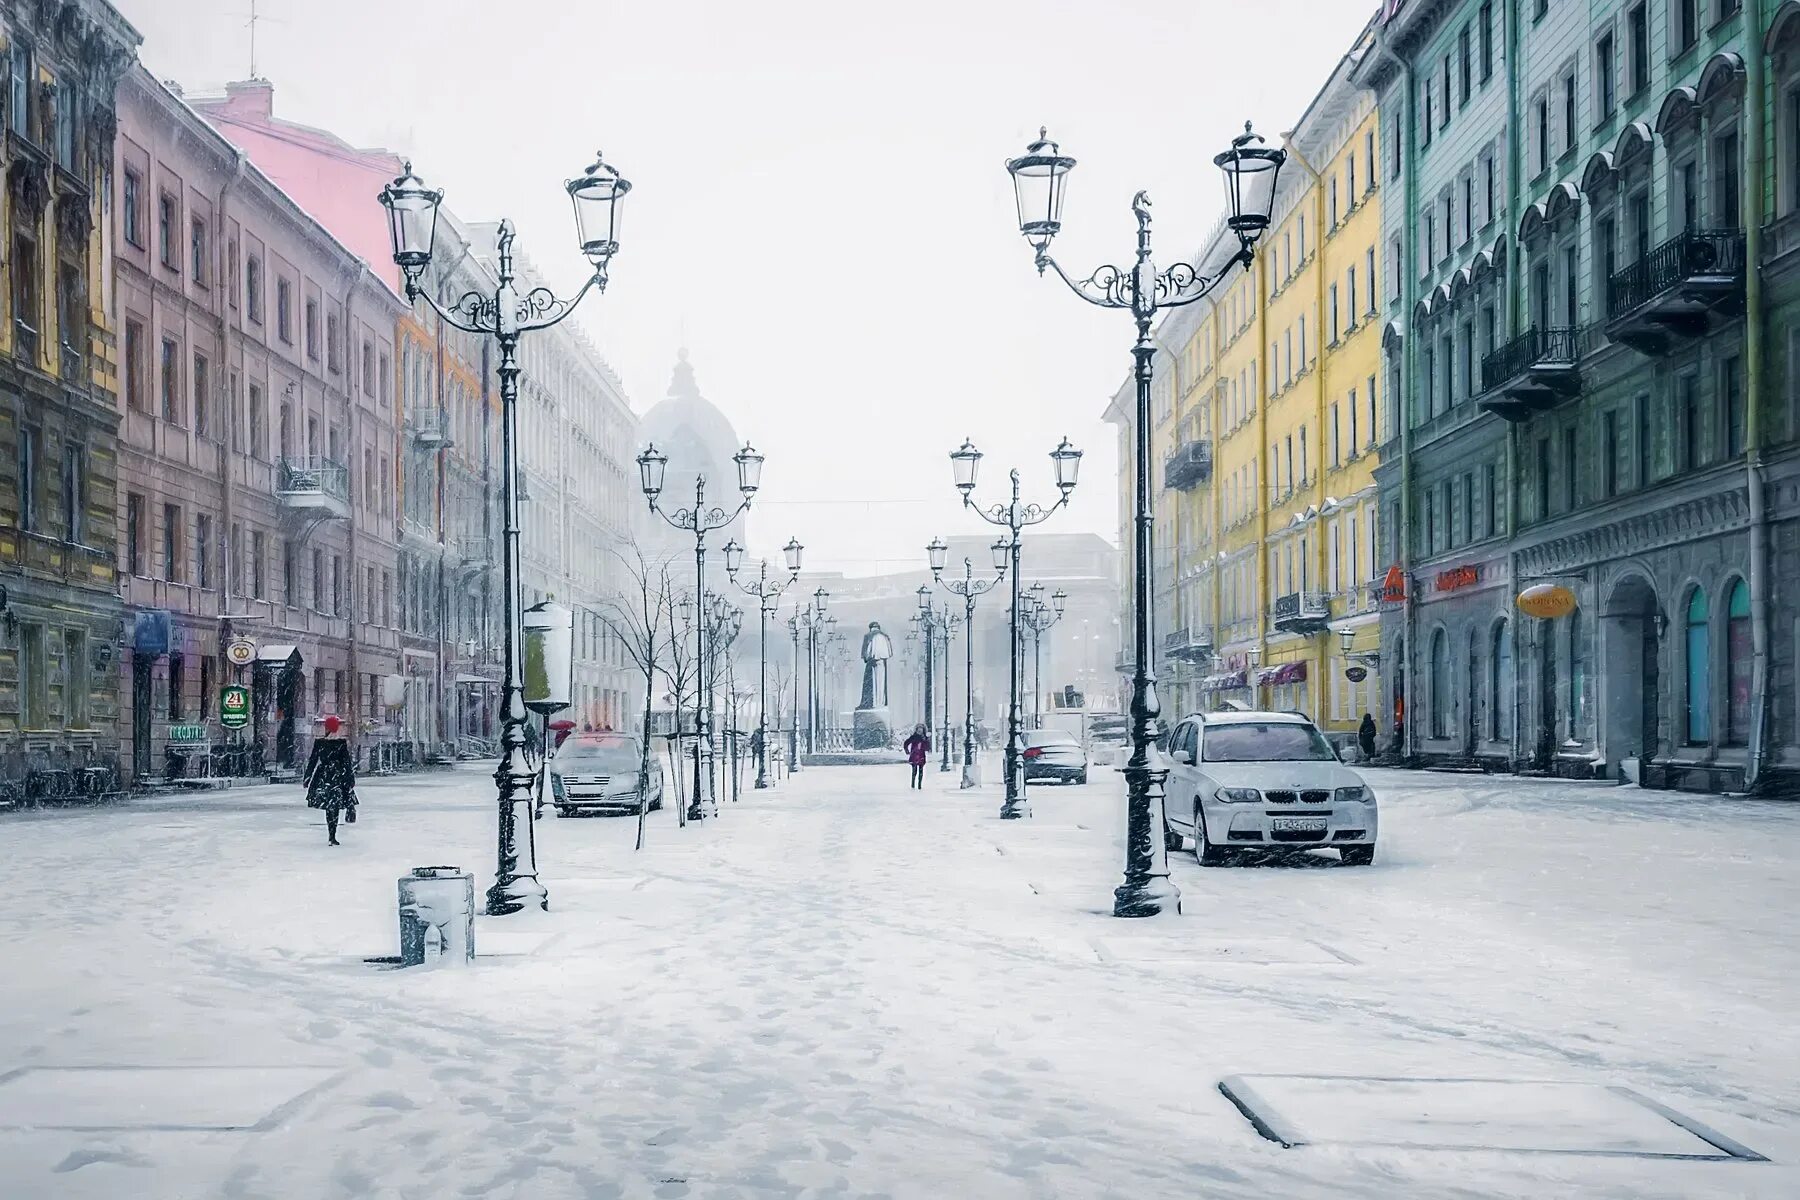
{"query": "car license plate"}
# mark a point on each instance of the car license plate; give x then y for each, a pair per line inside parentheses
(1299, 824)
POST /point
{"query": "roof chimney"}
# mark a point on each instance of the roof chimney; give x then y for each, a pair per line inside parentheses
(250, 99)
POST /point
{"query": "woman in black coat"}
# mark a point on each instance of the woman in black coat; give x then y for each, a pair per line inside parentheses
(331, 777)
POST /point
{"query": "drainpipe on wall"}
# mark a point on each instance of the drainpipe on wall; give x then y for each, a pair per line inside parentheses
(353, 657)
(1403, 406)
(1514, 205)
(1754, 183)
(1318, 191)
(227, 487)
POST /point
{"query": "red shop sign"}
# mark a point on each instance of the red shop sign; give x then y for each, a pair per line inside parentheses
(1458, 577)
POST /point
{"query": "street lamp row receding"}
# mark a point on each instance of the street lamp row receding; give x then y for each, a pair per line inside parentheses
(1015, 516)
(939, 626)
(768, 596)
(1039, 617)
(970, 589)
(700, 521)
(504, 315)
(810, 617)
(1040, 179)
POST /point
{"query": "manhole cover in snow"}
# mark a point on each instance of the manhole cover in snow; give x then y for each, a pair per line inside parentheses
(1472, 1114)
(1181, 951)
(155, 1098)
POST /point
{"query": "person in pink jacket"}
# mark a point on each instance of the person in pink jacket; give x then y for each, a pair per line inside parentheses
(917, 747)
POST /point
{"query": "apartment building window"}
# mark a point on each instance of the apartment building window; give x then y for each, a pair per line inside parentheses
(385, 379)
(1543, 479)
(337, 585)
(165, 231)
(171, 382)
(1486, 20)
(1394, 149)
(1466, 357)
(1468, 206)
(171, 543)
(1644, 446)
(1336, 331)
(1609, 449)
(1430, 244)
(131, 217)
(1571, 469)
(368, 369)
(1731, 386)
(1606, 77)
(1539, 8)
(334, 361)
(177, 677)
(1688, 175)
(318, 580)
(1729, 8)
(312, 329)
(1637, 43)
(203, 527)
(1350, 297)
(1571, 130)
(79, 687)
(1687, 24)
(1333, 203)
(28, 477)
(134, 533)
(1540, 145)
(258, 444)
(1691, 453)
(253, 288)
(1465, 61)
(74, 492)
(1425, 108)
(1487, 188)
(1725, 168)
(1491, 491)
(370, 594)
(1571, 286)
(1444, 109)
(202, 418)
(197, 251)
(290, 575)
(1371, 395)
(387, 597)
(27, 313)
(1350, 178)
(284, 310)
(1369, 274)
(206, 686)
(231, 271)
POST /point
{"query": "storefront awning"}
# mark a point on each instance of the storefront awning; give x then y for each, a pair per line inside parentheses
(1225, 683)
(1294, 672)
(275, 654)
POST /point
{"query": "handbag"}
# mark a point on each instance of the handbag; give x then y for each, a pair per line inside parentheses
(350, 816)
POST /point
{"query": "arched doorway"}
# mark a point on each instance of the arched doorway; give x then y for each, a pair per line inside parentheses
(1472, 713)
(1630, 626)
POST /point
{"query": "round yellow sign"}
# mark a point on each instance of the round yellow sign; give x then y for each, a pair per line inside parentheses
(1547, 600)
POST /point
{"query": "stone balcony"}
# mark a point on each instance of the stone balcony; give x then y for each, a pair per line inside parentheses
(1188, 466)
(1533, 373)
(1678, 292)
(1301, 612)
(313, 486)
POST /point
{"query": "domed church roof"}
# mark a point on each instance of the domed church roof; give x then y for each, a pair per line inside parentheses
(695, 435)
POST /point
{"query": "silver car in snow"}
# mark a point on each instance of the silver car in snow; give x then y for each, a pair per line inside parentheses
(598, 772)
(1264, 781)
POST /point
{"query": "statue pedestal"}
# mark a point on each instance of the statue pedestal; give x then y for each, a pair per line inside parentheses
(869, 729)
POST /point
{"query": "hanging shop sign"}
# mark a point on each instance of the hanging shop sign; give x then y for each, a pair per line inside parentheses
(187, 733)
(1356, 674)
(1393, 586)
(234, 706)
(241, 652)
(1457, 578)
(1546, 600)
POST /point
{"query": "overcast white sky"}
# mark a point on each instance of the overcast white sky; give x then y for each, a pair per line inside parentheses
(820, 210)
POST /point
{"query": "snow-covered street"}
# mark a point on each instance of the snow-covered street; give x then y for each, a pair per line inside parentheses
(843, 988)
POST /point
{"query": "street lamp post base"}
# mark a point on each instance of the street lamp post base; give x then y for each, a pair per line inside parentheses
(515, 894)
(1015, 809)
(1151, 896)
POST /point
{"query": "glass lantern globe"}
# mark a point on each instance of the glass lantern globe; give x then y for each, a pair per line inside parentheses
(965, 461)
(651, 466)
(936, 553)
(734, 557)
(749, 466)
(1039, 177)
(1251, 172)
(1067, 460)
(598, 195)
(793, 551)
(1002, 551)
(412, 219)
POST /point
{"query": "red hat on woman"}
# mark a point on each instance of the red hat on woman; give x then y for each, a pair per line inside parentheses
(332, 725)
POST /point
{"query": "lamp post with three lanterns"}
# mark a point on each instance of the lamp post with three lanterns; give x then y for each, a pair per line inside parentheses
(1015, 517)
(970, 589)
(768, 596)
(504, 315)
(1040, 177)
(1039, 617)
(700, 521)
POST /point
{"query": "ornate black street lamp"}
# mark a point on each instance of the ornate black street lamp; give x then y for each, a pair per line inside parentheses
(700, 521)
(970, 589)
(939, 625)
(597, 195)
(1040, 176)
(768, 596)
(1039, 617)
(1015, 517)
(809, 618)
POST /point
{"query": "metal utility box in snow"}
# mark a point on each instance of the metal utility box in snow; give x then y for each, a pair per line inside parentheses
(437, 917)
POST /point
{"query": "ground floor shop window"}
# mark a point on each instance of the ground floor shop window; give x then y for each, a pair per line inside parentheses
(1738, 659)
(1699, 659)
(1578, 656)
(1440, 686)
(1500, 684)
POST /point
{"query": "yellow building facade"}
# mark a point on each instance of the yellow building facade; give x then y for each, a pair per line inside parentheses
(1265, 432)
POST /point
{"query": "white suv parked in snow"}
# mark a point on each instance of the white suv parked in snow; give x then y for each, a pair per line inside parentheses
(1266, 781)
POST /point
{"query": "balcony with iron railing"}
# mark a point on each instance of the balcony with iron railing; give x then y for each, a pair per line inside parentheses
(1678, 291)
(1189, 643)
(474, 551)
(431, 428)
(1189, 465)
(313, 485)
(1535, 372)
(1301, 612)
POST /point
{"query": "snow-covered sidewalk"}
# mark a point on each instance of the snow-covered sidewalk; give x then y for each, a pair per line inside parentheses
(844, 988)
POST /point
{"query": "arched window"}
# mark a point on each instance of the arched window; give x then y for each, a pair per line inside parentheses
(1440, 685)
(1578, 666)
(1699, 661)
(1500, 684)
(1737, 665)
